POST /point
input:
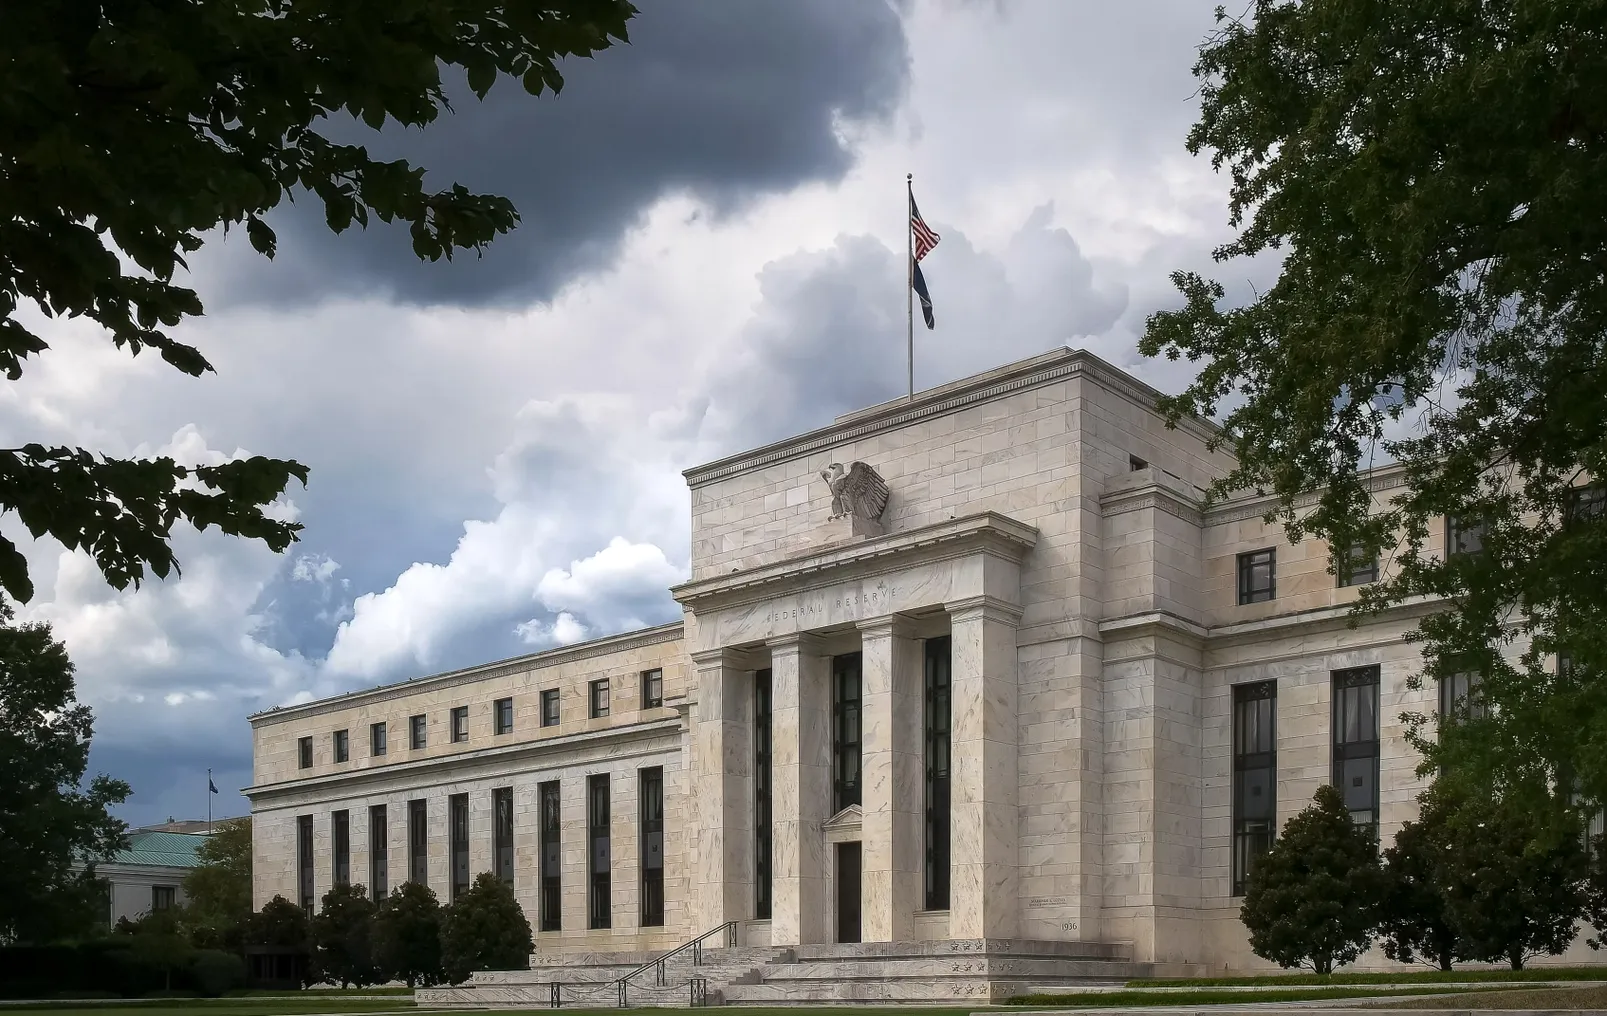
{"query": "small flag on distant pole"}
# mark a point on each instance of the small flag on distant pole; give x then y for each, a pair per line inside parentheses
(212, 788)
(921, 241)
(210, 785)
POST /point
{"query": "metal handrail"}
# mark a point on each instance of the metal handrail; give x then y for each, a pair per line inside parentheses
(696, 945)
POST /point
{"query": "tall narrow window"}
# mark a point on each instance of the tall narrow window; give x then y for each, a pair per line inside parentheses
(845, 739)
(1357, 568)
(599, 698)
(652, 689)
(1355, 727)
(761, 795)
(416, 727)
(1255, 775)
(418, 842)
(502, 709)
(1462, 537)
(1459, 696)
(163, 897)
(600, 905)
(549, 707)
(1584, 504)
(341, 832)
(1258, 575)
(939, 709)
(376, 739)
(379, 851)
(342, 746)
(458, 815)
(551, 917)
(304, 861)
(652, 809)
(460, 724)
(304, 752)
(502, 832)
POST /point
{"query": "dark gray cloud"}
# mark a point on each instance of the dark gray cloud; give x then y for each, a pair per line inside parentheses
(728, 99)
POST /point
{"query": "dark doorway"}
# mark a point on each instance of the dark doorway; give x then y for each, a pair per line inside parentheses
(848, 892)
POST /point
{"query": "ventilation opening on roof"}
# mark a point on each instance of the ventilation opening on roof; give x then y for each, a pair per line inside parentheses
(1135, 463)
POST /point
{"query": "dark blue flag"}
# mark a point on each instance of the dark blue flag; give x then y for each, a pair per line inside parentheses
(925, 297)
(211, 786)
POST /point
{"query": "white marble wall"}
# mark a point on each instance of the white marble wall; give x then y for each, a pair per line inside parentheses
(894, 780)
(800, 725)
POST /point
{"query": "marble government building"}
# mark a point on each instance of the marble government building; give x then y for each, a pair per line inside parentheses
(1007, 694)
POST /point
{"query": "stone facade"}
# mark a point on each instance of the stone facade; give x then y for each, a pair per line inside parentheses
(1046, 601)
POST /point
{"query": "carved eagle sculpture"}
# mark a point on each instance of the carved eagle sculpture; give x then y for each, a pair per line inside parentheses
(860, 492)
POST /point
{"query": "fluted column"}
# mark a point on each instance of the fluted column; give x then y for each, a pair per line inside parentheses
(983, 893)
(892, 776)
(800, 725)
(724, 759)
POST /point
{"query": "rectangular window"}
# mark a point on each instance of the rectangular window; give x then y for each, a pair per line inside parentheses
(761, 795)
(502, 832)
(549, 707)
(1357, 568)
(1463, 537)
(416, 731)
(458, 828)
(304, 752)
(340, 824)
(1355, 737)
(651, 799)
(342, 746)
(1584, 504)
(551, 916)
(599, 697)
(1255, 775)
(599, 862)
(1258, 575)
(376, 739)
(162, 897)
(379, 850)
(460, 724)
(304, 862)
(845, 732)
(939, 727)
(652, 689)
(502, 710)
(1459, 695)
(418, 842)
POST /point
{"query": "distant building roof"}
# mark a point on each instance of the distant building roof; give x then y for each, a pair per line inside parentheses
(170, 850)
(193, 825)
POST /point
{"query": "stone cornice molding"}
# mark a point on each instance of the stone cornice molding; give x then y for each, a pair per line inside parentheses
(467, 765)
(803, 643)
(886, 626)
(1059, 365)
(725, 657)
(1150, 496)
(986, 532)
(987, 608)
(1240, 507)
(1306, 622)
(623, 642)
(1151, 623)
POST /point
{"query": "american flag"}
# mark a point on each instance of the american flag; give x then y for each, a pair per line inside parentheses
(925, 239)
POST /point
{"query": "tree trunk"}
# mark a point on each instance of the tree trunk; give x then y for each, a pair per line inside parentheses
(1445, 961)
(1516, 957)
(1323, 965)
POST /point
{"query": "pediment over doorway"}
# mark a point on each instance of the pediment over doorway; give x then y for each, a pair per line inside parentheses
(845, 825)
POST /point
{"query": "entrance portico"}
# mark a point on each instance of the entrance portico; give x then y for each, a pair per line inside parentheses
(816, 705)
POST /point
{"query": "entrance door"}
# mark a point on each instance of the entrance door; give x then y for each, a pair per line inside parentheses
(848, 858)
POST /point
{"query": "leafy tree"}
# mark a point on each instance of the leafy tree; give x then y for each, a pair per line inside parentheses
(1312, 900)
(280, 923)
(50, 818)
(341, 936)
(1514, 875)
(218, 890)
(158, 940)
(1414, 920)
(1429, 174)
(134, 129)
(407, 936)
(484, 929)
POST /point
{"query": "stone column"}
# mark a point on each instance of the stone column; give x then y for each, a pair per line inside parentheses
(893, 780)
(983, 895)
(723, 790)
(800, 737)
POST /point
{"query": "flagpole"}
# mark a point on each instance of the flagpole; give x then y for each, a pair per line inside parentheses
(909, 269)
(209, 802)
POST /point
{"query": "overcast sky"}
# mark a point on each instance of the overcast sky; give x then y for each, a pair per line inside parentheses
(710, 258)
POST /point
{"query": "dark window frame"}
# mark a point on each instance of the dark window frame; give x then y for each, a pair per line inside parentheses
(164, 897)
(340, 836)
(457, 825)
(597, 698)
(377, 737)
(1354, 571)
(550, 715)
(653, 688)
(340, 742)
(304, 862)
(599, 853)
(650, 810)
(502, 854)
(762, 790)
(304, 752)
(502, 716)
(418, 732)
(1456, 690)
(379, 851)
(550, 834)
(937, 758)
(847, 731)
(1250, 590)
(1255, 768)
(418, 841)
(1458, 537)
(1584, 503)
(1352, 718)
(458, 726)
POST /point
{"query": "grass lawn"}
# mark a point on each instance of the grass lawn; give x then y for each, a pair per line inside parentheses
(1404, 977)
(1529, 998)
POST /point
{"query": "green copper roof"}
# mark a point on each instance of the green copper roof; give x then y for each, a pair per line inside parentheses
(171, 850)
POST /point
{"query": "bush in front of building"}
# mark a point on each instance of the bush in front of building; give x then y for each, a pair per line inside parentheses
(215, 972)
(1414, 919)
(407, 936)
(1312, 899)
(342, 937)
(484, 929)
